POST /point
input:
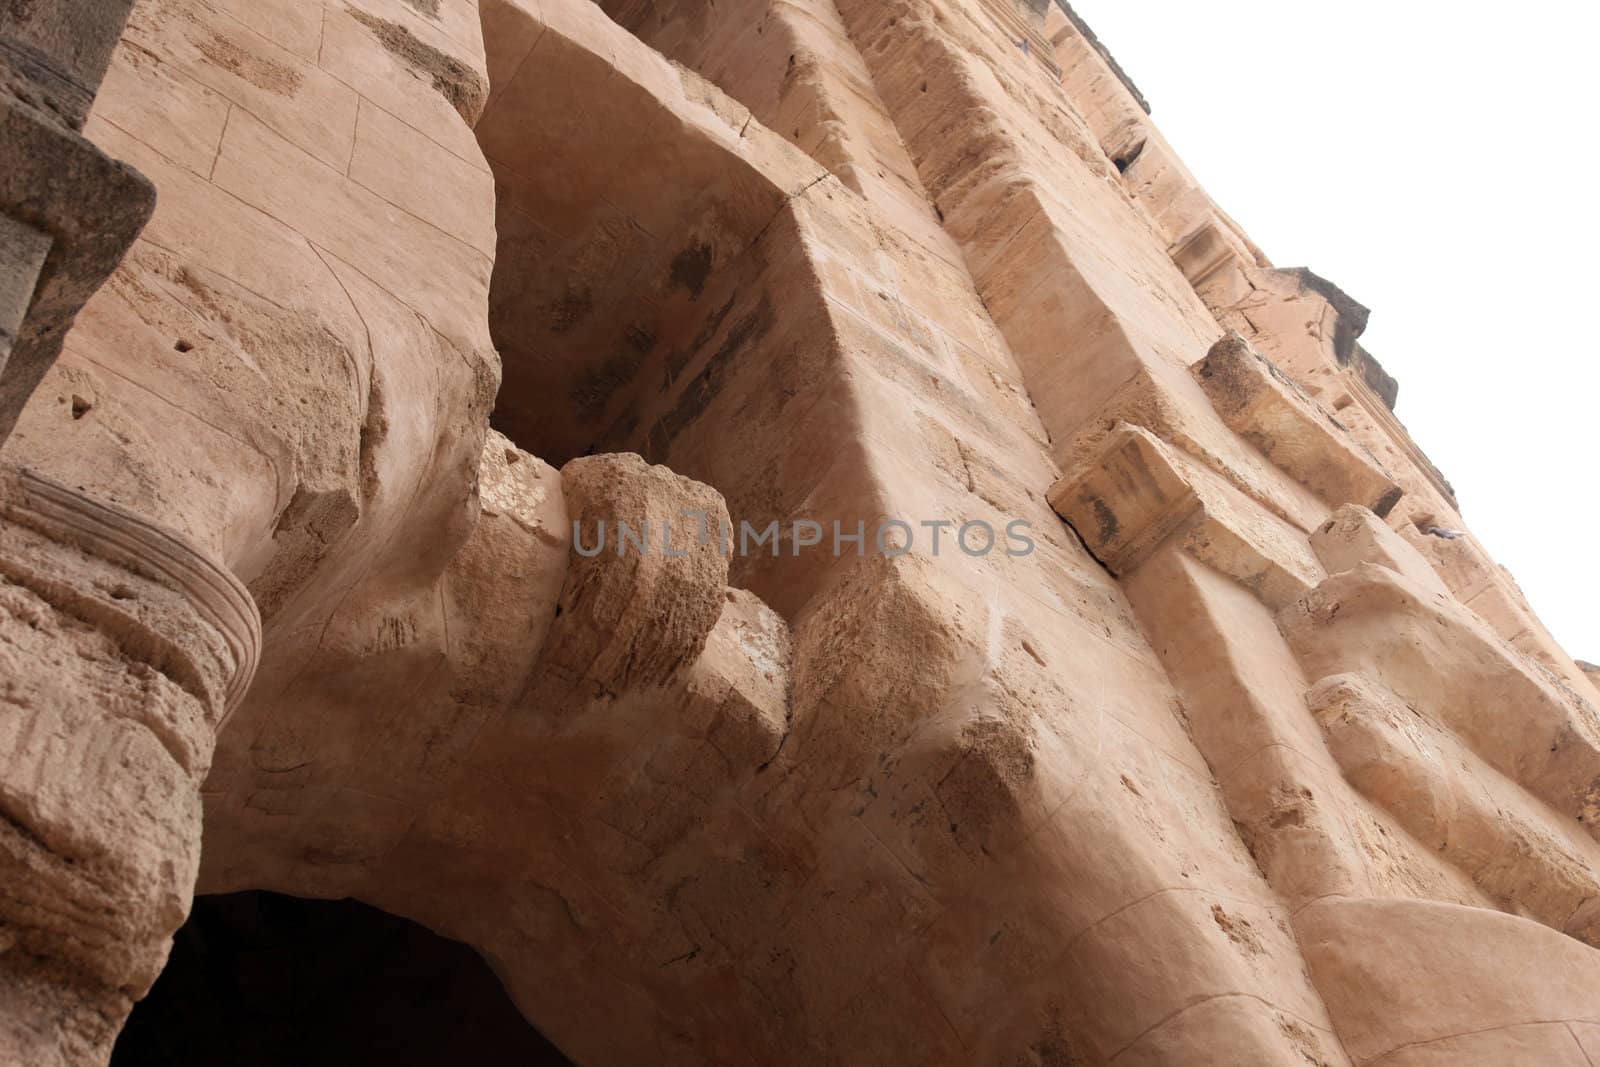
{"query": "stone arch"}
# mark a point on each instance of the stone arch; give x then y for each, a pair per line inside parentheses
(259, 979)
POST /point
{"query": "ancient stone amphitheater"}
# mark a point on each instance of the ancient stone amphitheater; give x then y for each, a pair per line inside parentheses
(1207, 735)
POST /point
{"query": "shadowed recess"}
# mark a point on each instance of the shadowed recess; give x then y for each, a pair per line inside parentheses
(258, 979)
(623, 202)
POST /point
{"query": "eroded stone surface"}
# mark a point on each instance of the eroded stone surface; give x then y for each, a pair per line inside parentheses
(123, 649)
(1238, 764)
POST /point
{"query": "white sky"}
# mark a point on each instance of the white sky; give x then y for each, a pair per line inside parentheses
(1437, 162)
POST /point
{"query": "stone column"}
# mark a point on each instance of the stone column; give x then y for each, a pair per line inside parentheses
(122, 649)
(68, 211)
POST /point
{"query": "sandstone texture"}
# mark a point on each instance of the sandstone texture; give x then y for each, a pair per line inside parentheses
(1237, 762)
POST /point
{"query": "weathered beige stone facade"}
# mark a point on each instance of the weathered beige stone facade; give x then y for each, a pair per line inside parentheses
(1246, 762)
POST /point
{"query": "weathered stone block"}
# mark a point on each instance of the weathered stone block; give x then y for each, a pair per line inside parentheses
(1292, 430)
(1144, 492)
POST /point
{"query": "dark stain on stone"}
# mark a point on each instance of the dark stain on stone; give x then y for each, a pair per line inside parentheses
(680, 357)
(746, 331)
(1378, 380)
(691, 267)
(591, 395)
(640, 338)
(624, 429)
(262, 73)
(1109, 526)
(699, 393)
(1350, 324)
(429, 8)
(567, 311)
(374, 431)
(455, 81)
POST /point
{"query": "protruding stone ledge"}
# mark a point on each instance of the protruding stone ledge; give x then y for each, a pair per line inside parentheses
(1455, 804)
(1440, 659)
(1100, 49)
(1210, 247)
(639, 604)
(1353, 536)
(1265, 407)
(1142, 492)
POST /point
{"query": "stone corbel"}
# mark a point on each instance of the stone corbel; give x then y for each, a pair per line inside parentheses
(1264, 406)
(1142, 493)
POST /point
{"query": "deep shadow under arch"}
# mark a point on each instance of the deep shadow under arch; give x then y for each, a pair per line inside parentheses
(262, 980)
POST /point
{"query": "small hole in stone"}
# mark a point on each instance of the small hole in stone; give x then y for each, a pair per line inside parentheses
(122, 592)
(80, 406)
(1127, 159)
(513, 456)
(180, 345)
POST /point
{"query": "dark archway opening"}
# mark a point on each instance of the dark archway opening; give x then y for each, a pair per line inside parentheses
(258, 979)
